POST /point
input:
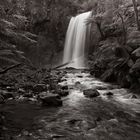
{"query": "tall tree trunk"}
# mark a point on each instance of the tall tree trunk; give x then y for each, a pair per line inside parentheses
(124, 29)
(136, 14)
(100, 30)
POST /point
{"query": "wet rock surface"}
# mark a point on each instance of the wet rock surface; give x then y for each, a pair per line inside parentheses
(91, 93)
(51, 100)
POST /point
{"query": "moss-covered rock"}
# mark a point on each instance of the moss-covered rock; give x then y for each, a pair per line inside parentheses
(134, 39)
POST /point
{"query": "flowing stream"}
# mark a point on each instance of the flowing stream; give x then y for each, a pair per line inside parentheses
(80, 118)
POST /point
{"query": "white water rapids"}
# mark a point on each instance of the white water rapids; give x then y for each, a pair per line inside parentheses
(75, 43)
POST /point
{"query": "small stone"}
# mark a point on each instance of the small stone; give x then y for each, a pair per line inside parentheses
(64, 88)
(109, 94)
(77, 83)
(80, 76)
(133, 97)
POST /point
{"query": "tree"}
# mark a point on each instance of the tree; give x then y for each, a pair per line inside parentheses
(136, 14)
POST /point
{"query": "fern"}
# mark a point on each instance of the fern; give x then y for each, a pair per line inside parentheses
(5, 52)
(8, 57)
(5, 60)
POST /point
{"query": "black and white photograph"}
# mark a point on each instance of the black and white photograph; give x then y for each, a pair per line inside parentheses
(69, 69)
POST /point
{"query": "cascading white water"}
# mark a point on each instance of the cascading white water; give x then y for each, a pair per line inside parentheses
(74, 50)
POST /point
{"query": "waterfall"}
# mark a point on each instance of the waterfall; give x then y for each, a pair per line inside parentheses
(75, 42)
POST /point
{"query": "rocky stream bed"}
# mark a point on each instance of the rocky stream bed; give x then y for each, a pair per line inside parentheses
(88, 109)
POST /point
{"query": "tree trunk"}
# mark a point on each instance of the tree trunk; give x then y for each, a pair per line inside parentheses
(136, 14)
(100, 30)
(124, 29)
(62, 65)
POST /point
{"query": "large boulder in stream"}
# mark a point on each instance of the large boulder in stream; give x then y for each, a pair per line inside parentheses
(91, 93)
(50, 100)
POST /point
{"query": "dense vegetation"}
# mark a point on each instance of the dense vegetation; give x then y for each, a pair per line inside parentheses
(32, 34)
(36, 27)
(116, 49)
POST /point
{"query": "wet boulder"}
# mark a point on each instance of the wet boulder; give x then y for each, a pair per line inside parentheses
(63, 93)
(109, 93)
(51, 100)
(64, 88)
(77, 83)
(91, 93)
(79, 76)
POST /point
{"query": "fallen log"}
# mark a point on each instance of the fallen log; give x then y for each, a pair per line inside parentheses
(62, 65)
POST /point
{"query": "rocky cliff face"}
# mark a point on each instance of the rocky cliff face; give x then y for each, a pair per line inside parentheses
(116, 56)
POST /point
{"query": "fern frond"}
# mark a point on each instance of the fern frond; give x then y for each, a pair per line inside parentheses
(6, 52)
(8, 60)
